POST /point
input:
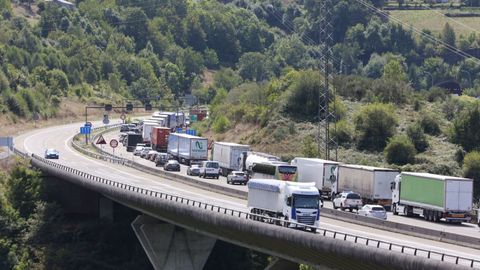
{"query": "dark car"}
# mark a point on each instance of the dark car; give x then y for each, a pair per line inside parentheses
(161, 159)
(172, 165)
(51, 154)
(194, 169)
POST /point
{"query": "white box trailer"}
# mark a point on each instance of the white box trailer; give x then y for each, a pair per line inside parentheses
(293, 201)
(172, 119)
(148, 125)
(372, 183)
(433, 196)
(187, 148)
(324, 173)
(229, 156)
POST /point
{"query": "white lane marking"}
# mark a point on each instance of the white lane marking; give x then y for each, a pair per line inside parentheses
(148, 180)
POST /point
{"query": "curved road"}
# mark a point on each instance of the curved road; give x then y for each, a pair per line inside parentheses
(467, 229)
(58, 137)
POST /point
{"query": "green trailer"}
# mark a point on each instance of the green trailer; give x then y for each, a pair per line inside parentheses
(432, 196)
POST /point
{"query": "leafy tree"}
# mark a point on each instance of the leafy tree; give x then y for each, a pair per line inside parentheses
(471, 169)
(24, 189)
(253, 66)
(343, 132)
(375, 124)
(393, 71)
(400, 151)
(303, 101)
(136, 27)
(226, 78)
(309, 147)
(418, 138)
(430, 124)
(221, 124)
(448, 35)
(466, 129)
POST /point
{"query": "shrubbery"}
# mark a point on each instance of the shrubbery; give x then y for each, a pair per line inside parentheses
(471, 169)
(374, 125)
(418, 138)
(400, 150)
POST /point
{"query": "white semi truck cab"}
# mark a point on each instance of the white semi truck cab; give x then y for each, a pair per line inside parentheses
(290, 201)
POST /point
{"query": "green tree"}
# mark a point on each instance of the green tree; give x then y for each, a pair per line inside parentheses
(471, 169)
(448, 35)
(253, 66)
(400, 151)
(466, 129)
(24, 189)
(375, 124)
(221, 124)
(394, 71)
(418, 138)
(303, 99)
(309, 147)
(342, 132)
(226, 78)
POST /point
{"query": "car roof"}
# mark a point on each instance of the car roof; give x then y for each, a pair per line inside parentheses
(51, 150)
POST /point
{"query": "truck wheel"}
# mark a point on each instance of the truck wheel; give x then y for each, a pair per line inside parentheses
(426, 214)
(394, 210)
(435, 216)
(334, 207)
(350, 209)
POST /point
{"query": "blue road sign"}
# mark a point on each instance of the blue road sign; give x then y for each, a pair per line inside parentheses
(85, 130)
(88, 124)
(192, 132)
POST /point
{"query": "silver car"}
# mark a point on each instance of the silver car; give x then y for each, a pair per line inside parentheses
(372, 210)
(347, 200)
(237, 177)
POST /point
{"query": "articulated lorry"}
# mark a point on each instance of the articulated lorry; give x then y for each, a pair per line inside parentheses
(372, 183)
(323, 173)
(432, 196)
(291, 201)
(187, 148)
(229, 156)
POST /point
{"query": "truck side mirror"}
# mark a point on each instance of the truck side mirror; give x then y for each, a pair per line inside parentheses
(289, 201)
(392, 185)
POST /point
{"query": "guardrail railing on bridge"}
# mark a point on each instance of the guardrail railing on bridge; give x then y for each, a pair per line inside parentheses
(370, 242)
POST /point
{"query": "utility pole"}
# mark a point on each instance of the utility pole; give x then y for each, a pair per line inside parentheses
(327, 144)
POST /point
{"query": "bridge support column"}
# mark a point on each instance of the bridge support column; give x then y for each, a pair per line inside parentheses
(105, 208)
(282, 264)
(170, 247)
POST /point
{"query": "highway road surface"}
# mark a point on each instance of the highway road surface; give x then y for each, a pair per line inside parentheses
(58, 137)
(464, 229)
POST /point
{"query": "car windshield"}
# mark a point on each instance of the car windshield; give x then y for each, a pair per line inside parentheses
(305, 201)
(376, 208)
(353, 196)
(194, 167)
(239, 173)
(173, 162)
(212, 165)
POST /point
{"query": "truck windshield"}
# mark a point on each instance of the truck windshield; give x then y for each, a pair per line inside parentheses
(305, 201)
(287, 169)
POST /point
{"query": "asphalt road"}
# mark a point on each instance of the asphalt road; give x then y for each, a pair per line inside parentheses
(58, 137)
(464, 229)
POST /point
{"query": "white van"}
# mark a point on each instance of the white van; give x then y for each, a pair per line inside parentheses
(209, 169)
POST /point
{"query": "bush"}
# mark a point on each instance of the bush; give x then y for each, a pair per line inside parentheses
(342, 133)
(400, 151)
(417, 136)
(471, 169)
(309, 147)
(436, 94)
(375, 124)
(221, 124)
(466, 129)
(430, 124)
(303, 101)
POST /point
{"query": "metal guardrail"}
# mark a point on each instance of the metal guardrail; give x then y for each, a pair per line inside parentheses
(370, 242)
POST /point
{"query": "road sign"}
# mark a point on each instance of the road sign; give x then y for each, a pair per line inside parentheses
(113, 143)
(88, 124)
(105, 119)
(192, 132)
(101, 140)
(85, 130)
(193, 118)
(6, 141)
(123, 116)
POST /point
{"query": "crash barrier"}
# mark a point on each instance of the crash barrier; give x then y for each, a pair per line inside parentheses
(369, 242)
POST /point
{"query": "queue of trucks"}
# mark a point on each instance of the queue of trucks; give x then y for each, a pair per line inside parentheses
(292, 191)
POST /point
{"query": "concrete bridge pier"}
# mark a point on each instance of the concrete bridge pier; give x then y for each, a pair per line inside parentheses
(170, 247)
